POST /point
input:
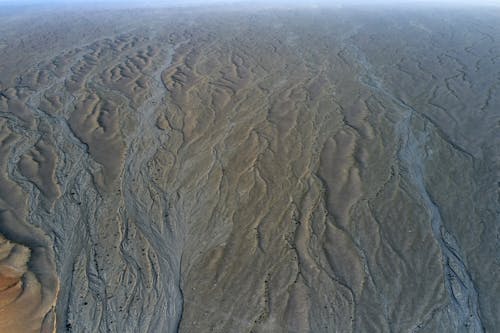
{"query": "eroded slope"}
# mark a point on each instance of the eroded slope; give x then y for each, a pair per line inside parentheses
(276, 171)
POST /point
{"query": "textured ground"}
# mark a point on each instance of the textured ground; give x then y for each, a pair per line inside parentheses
(250, 171)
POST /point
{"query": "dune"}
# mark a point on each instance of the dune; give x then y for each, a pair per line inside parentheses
(249, 170)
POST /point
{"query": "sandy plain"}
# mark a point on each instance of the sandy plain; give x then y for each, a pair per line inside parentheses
(278, 170)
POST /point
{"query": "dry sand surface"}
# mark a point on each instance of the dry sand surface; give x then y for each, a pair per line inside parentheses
(216, 170)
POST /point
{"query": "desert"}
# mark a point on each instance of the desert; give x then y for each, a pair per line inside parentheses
(249, 168)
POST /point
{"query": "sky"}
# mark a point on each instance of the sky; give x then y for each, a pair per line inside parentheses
(204, 2)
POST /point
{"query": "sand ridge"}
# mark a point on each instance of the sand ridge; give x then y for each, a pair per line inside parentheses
(263, 171)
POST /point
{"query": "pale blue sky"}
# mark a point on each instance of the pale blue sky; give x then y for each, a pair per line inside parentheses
(281, 2)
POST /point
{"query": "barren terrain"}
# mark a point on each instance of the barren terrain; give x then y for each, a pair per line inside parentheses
(278, 170)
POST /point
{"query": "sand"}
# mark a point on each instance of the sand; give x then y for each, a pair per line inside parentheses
(221, 170)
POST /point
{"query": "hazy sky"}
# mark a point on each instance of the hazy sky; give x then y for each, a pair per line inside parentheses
(301, 2)
(166, 2)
